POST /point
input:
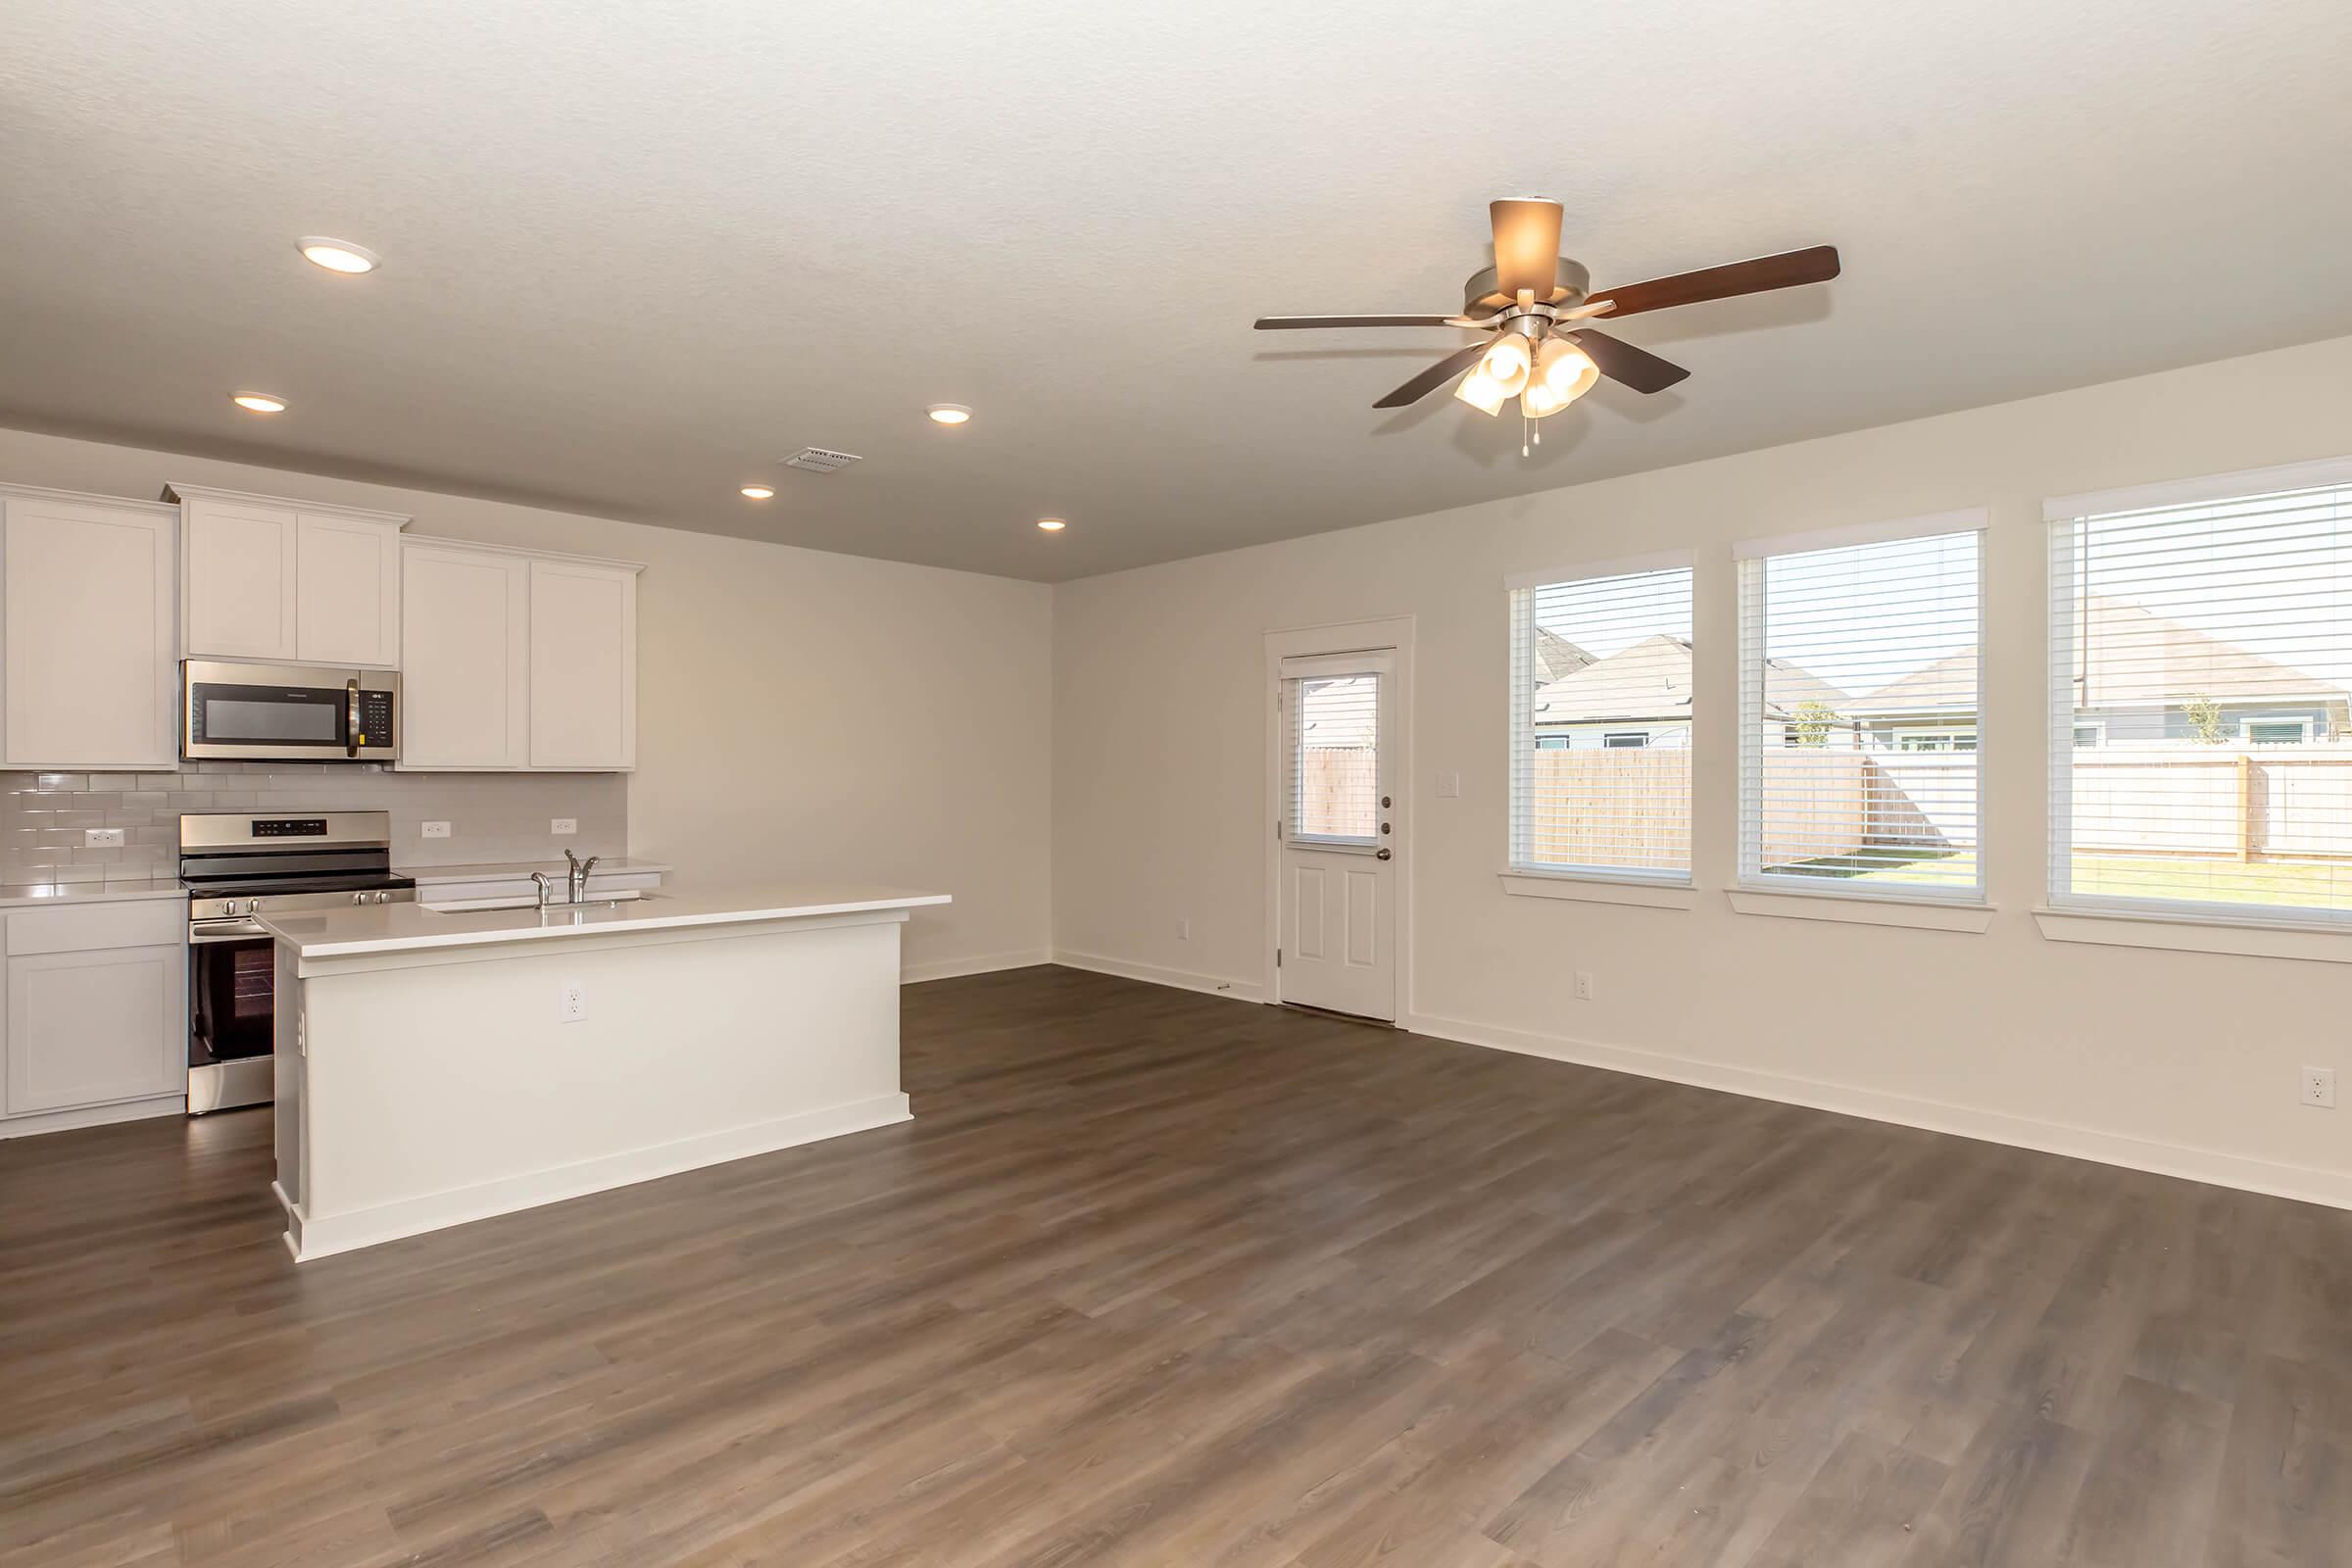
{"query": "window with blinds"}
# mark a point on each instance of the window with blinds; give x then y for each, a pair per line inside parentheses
(1335, 757)
(2201, 669)
(1601, 720)
(1859, 730)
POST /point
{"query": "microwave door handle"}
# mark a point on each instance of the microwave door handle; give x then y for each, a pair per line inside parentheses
(351, 716)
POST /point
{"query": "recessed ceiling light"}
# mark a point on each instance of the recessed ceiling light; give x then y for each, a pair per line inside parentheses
(1051, 524)
(949, 414)
(338, 255)
(259, 402)
(759, 492)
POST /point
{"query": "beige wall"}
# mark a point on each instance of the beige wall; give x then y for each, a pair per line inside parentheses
(800, 715)
(2171, 1060)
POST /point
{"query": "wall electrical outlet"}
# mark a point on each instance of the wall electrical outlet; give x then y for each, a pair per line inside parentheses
(575, 1002)
(1584, 986)
(562, 826)
(436, 830)
(101, 838)
(2319, 1087)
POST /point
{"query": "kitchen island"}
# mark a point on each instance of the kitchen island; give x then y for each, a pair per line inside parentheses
(441, 1066)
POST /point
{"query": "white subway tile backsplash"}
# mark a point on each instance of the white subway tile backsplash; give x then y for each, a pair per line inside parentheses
(494, 817)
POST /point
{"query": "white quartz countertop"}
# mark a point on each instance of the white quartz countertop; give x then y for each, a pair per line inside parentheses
(412, 927)
(426, 876)
(41, 894)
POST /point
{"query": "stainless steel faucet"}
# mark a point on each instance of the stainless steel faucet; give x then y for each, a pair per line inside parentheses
(579, 876)
(543, 882)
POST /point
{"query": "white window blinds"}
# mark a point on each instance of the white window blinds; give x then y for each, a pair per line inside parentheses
(1859, 728)
(2201, 653)
(1335, 755)
(1600, 722)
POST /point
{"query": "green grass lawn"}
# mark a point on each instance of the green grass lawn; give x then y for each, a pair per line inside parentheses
(2205, 881)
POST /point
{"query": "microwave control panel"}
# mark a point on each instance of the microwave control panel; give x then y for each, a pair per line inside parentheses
(376, 718)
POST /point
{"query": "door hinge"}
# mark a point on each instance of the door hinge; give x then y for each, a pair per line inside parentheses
(1277, 957)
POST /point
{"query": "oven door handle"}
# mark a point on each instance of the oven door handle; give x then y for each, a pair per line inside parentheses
(204, 932)
(351, 716)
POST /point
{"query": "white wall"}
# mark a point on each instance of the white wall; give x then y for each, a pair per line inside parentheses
(800, 715)
(2165, 1060)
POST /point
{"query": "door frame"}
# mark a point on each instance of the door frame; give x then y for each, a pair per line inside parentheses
(1393, 632)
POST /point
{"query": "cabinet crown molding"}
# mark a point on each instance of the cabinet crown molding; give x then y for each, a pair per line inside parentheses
(83, 498)
(516, 552)
(175, 492)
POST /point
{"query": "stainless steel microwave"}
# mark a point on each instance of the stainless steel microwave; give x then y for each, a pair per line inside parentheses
(288, 713)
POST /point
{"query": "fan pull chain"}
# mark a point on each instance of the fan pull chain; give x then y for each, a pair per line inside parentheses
(1526, 425)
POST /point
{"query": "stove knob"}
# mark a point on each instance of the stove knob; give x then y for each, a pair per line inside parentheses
(252, 905)
(384, 898)
(358, 897)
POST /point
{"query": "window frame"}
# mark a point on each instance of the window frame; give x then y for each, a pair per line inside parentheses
(1750, 558)
(2196, 925)
(1603, 883)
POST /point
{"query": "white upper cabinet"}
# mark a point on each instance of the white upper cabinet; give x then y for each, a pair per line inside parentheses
(466, 686)
(584, 665)
(289, 581)
(346, 590)
(86, 593)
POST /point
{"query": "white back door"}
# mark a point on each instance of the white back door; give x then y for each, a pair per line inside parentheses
(1337, 920)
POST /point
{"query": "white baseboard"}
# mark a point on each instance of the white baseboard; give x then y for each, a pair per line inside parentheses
(2309, 1184)
(311, 1236)
(1181, 979)
(914, 975)
(58, 1121)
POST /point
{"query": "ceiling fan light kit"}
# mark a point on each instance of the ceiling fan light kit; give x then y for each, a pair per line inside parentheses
(1537, 304)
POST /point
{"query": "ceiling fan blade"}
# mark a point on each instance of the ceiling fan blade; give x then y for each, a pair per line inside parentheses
(1620, 361)
(1816, 263)
(1284, 323)
(1436, 376)
(1527, 247)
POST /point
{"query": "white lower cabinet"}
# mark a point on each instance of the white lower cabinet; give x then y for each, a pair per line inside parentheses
(97, 1007)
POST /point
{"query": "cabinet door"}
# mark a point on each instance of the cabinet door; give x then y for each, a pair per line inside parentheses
(583, 666)
(85, 1028)
(466, 687)
(241, 580)
(347, 591)
(87, 642)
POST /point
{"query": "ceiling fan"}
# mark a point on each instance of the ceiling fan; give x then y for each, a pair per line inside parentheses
(1533, 309)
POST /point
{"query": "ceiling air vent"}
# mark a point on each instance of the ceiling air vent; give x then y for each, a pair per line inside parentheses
(819, 459)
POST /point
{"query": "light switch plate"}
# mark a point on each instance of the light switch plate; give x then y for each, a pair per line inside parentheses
(561, 826)
(1449, 786)
(436, 830)
(101, 838)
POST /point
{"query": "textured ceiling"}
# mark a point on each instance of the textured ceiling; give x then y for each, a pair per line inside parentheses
(636, 251)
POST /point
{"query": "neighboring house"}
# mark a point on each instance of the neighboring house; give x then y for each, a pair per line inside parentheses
(2144, 672)
(1640, 696)
(1556, 658)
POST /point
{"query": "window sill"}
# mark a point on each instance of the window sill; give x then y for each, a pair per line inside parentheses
(1858, 908)
(2129, 928)
(1646, 892)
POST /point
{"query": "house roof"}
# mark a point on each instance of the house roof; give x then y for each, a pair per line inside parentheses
(2138, 658)
(1556, 656)
(1651, 681)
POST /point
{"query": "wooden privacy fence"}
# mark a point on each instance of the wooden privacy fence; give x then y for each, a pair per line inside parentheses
(2242, 802)
(1628, 806)
(1610, 805)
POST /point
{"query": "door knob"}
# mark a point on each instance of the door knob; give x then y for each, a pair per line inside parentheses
(1383, 853)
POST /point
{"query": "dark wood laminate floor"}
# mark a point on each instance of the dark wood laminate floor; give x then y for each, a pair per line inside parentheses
(1162, 1279)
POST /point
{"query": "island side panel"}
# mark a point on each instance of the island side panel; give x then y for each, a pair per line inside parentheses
(453, 1086)
(287, 1063)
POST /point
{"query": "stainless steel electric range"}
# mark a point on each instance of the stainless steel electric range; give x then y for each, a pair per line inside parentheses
(236, 865)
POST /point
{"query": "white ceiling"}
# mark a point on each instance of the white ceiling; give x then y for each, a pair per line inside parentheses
(637, 251)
